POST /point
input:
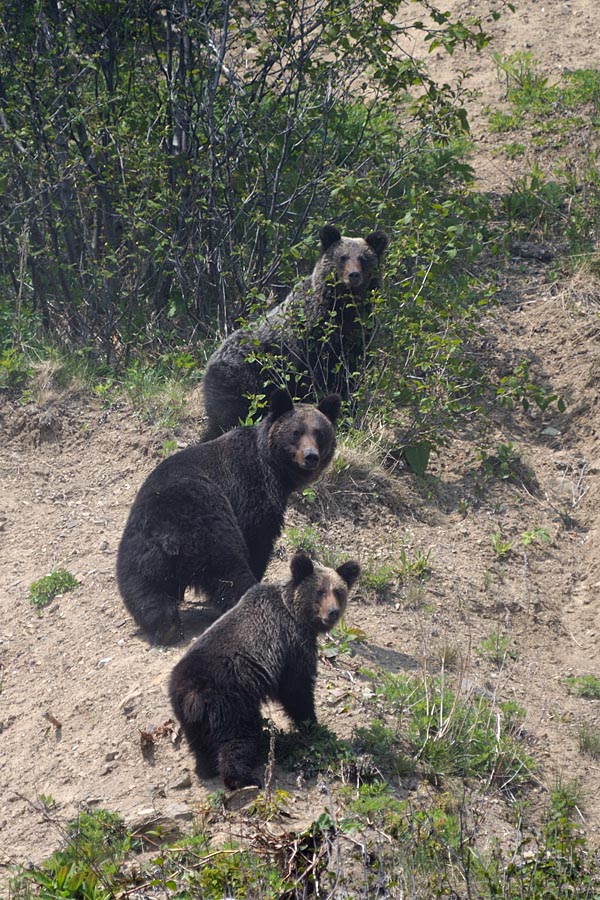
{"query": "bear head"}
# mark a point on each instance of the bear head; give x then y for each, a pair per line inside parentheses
(353, 263)
(321, 593)
(301, 437)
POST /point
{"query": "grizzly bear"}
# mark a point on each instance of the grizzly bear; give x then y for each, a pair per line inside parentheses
(265, 648)
(310, 343)
(208, 516)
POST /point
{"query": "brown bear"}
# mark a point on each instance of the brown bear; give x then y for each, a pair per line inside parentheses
(265, 648)
(310, 343)
(208, 516)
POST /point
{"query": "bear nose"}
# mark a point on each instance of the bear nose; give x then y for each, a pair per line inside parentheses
(354, 276)
(333, 614)
(311, 459)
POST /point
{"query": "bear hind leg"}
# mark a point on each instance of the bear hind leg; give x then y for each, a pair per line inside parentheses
(157, 613)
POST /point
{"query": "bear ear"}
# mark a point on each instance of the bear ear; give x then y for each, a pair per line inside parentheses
(349, 571)
(280, 403)
(379, 242)
(330, 406)
(301, 566)
(329, 235)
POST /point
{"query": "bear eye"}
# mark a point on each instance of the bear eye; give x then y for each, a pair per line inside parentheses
(321, 593)
(297, 434)
(344, 258)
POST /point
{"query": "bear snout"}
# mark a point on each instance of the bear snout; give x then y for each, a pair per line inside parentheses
(311, 458)
(332, 614)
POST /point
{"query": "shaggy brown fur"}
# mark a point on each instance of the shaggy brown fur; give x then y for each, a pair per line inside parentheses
(208, 516)
(311, 342)
(264, 648)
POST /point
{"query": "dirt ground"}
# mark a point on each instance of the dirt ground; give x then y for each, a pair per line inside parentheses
(79, 685)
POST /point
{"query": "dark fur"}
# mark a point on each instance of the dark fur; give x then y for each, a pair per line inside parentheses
(317, 330)
(265, 648)
(208, 517)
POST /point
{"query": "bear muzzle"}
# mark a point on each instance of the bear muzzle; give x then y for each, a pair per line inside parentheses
(311, 458)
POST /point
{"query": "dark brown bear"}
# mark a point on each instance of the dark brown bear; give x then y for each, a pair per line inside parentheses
(310, 343)
(208, 516)
(265, 648)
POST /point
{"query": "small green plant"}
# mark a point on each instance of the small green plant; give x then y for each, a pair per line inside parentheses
(45, 589)
(47, 801)
(169, 446)
(268, 805)
(588, 739)
(14, 368)
(519, 387)
(415, 565)
(378, 577)
(501, 547)
(535, 534)
(584, 686)
(383, 744)
(497, 648)
(303, 537)
(501, 462)
(342, 639)
(566, 797)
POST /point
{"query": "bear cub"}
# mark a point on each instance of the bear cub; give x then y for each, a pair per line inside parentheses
(265, 648)
(208, 516)
(313, 341)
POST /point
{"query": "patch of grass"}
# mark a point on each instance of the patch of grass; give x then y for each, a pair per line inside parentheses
(383, 744)
(584, 686)
(514, 150)
(497, 648)
(45, 589)
(303, 537)
(566, 797)
(588, 740)
(312, 750)
(451, 735)
(168, 448)
(378, 577)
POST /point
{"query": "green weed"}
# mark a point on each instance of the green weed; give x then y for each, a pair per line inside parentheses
(588, 740)
(341, 640)
(378, 577)
(501, 547)
(497, 648)
(303, 537)
(169, 447)
(45, 589)
(584, 686)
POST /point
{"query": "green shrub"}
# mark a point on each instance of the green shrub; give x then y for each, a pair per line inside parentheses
(45, 589)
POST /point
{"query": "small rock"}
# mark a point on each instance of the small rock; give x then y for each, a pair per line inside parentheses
(130, 701)
(112, 754)
(181, 783)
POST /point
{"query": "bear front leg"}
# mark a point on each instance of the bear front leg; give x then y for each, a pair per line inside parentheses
(297, 698)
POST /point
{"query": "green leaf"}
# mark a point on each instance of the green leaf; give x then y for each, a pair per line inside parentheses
(417, 457)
